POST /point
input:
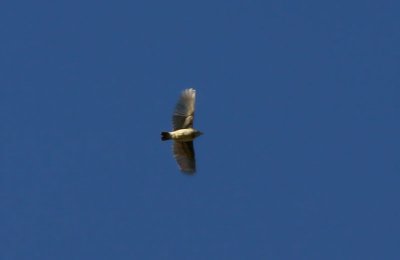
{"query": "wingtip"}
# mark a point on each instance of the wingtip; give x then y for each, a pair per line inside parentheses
(189, 90)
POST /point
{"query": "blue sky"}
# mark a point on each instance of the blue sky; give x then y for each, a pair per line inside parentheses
(299, 102)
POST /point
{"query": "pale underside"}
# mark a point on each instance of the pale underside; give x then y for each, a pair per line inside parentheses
(183, 118)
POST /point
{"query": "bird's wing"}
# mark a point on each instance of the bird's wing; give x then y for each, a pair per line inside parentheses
(185, 157)
(184, 110)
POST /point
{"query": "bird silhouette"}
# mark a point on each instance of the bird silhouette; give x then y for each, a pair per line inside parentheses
(183, 132)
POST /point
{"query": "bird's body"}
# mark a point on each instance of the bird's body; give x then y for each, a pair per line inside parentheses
(183, 132)
(181, 135)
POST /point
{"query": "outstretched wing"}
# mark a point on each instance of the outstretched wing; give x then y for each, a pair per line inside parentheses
(184, 110)
(185, 157)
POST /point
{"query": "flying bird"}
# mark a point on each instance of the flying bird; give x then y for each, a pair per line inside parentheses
(183, 132)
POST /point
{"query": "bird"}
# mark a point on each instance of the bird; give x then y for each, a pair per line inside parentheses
(183, 132)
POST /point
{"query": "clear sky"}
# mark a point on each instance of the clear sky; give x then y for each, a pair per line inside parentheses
(299, 102)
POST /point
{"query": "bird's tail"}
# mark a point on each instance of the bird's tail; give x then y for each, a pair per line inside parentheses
(165, 136)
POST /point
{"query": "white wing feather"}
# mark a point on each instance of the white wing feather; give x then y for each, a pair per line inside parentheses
(184, 110)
